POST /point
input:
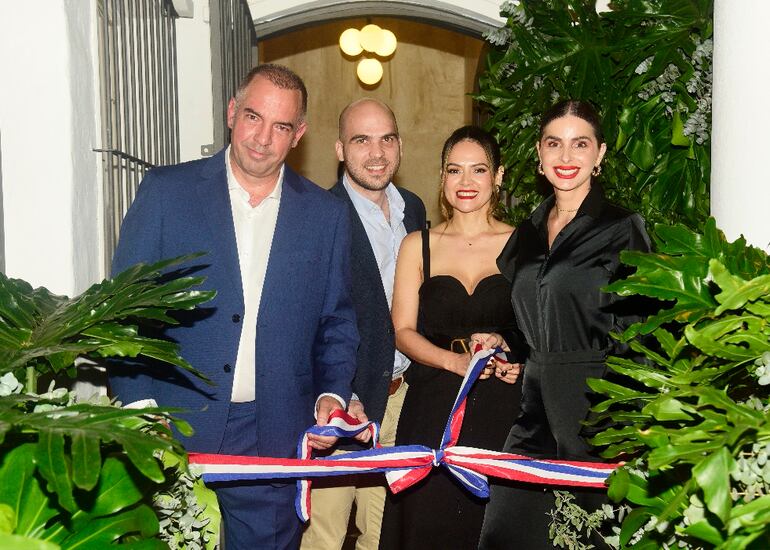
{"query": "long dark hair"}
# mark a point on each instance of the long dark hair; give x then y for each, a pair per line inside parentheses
(489, 144)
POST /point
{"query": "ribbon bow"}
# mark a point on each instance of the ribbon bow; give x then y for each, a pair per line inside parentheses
(405, 465)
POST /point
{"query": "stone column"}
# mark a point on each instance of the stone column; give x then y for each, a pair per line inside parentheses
(740, 145)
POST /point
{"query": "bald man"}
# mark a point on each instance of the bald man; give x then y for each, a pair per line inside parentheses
(370, 149)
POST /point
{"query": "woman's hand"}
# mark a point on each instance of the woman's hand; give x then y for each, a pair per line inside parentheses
(488, 340)
(488, 370)
(458, 363)
(508, 372)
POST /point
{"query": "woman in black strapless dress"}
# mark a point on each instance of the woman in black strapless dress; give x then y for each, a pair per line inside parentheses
(448, 296)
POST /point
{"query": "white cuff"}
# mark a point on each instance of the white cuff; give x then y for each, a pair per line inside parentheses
(141, 404)
(335, 396)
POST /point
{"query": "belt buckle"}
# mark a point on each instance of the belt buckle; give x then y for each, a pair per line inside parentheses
(462, 343)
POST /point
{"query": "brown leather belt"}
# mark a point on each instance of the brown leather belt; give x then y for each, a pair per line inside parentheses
(395, 384)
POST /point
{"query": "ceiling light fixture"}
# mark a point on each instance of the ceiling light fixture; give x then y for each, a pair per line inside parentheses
(374, 40)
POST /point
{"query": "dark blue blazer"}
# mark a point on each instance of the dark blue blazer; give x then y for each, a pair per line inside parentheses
(306, 330)
(375, 353)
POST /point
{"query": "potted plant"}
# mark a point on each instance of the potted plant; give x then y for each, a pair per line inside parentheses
(90, 474)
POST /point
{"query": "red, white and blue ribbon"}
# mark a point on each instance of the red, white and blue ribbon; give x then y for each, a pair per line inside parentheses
(404, 465)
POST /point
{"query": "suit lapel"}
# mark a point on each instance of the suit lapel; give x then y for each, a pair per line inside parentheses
(215, 198)
(360, 241)
(411, 223)
(289, 231)
(363, 261)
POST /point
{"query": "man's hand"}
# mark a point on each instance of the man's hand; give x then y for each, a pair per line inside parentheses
(326, 405)
(356, 410)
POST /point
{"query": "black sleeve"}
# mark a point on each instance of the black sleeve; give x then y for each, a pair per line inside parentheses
(517, 344)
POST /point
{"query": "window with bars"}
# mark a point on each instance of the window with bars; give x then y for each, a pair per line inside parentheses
(233, 52)
(139, 101)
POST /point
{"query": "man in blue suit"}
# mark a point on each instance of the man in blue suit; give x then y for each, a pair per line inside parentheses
(279, 340)
(369, 146)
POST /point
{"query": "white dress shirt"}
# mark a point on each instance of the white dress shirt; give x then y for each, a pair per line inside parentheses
(254, 230)
(385, 238)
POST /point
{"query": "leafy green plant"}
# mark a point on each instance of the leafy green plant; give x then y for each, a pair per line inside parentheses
(188, 511)
(570, 523)
(646, 64)
(692, 415)
(42, 332)
(83, 474)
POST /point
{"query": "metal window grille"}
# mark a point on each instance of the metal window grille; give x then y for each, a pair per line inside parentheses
(140, 128)
(233, 51)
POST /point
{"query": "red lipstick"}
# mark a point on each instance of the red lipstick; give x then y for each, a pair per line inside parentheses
(566, 172)
(466, 195)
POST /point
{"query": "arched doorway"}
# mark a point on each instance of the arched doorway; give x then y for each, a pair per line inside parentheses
(426, 82)
(467, 16)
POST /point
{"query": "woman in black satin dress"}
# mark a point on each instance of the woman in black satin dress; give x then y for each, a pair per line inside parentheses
(448, 290)
(558, 261)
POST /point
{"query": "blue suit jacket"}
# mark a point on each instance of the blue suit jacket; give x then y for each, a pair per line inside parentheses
(306, 331)
(375, 354)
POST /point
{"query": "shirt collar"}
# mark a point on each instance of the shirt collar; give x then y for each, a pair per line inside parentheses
(233, 185)
(591, 206)
(594, 201)
(364, 205)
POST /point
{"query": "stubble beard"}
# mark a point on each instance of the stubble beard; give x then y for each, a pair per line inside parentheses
(252, 167)
(362, 179)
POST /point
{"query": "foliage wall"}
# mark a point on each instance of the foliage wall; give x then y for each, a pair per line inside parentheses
(646, 65)
(691, 413)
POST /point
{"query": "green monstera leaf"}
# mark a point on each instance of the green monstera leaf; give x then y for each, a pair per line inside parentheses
(41, 328)
(646, 64)
(691, 409)
(83, 474)
(23, 492)
(681, 273)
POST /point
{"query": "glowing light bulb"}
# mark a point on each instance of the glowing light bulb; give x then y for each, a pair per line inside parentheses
(350, 42)
(371, 37)
(369, 71)
(388, 44)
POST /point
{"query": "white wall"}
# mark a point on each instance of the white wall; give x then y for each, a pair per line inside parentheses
(740, 150)
(263, 10)
(48, 118)
(196, 123)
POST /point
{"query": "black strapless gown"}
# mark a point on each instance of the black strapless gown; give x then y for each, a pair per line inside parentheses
(438, 512)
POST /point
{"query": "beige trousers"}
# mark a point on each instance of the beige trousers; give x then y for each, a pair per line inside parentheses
(330, 506)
